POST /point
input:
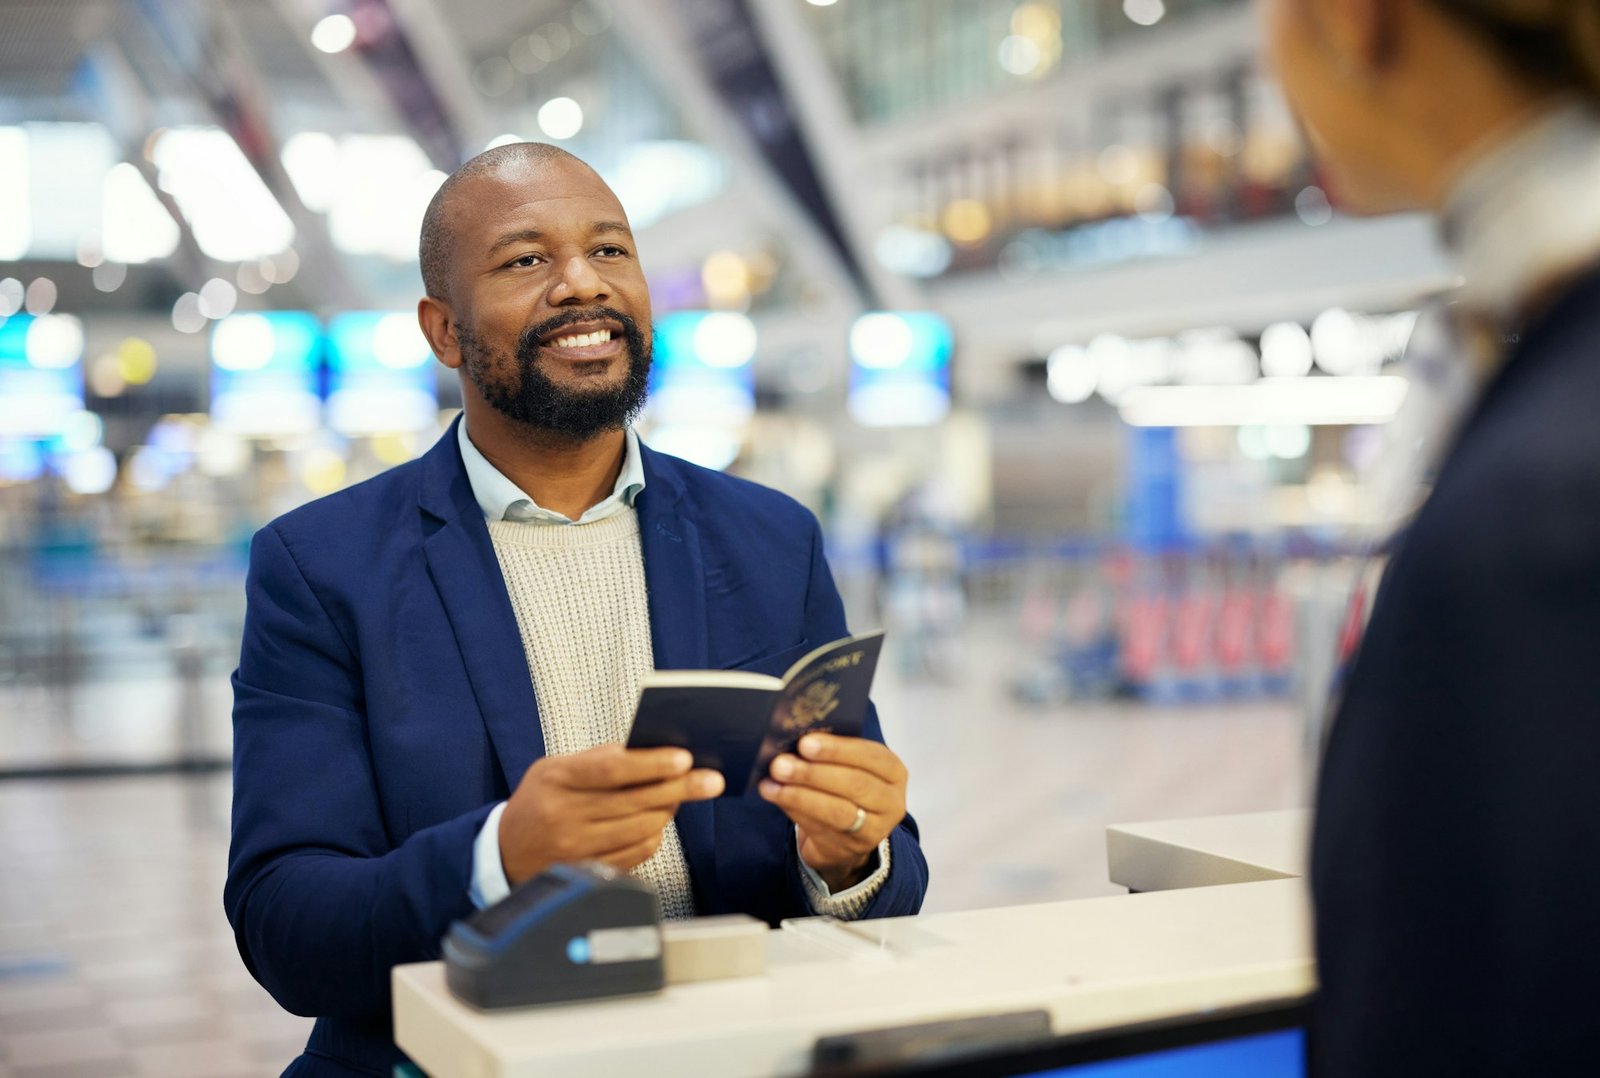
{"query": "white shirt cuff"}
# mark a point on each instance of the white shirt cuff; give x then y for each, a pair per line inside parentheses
(849, 904)
(489, 884)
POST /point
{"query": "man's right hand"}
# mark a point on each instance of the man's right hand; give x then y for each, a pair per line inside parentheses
(609, 804)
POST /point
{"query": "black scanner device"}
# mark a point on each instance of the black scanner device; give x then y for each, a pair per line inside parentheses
(578, 931)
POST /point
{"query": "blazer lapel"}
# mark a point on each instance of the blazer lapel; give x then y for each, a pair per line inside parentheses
(674, 573)
(467, 575)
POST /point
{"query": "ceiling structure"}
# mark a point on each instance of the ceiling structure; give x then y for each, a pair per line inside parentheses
(448, 77)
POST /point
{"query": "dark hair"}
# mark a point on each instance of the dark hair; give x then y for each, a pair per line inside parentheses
(1551, 42)
(437, 243)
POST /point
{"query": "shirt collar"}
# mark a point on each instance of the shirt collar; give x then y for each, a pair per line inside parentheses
(1524, 214)
(501, 499)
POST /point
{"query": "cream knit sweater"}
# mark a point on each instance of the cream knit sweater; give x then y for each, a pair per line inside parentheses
(579, 596)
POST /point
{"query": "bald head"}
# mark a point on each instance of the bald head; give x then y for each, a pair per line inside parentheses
(437, 246)
(536, 296)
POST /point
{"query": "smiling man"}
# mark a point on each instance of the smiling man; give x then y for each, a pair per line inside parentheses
(440, 665)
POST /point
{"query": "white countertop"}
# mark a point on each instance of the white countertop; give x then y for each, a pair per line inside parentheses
(1095, 963)
(1208, 850)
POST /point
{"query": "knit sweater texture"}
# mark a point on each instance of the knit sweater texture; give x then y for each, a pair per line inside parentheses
(578, 593)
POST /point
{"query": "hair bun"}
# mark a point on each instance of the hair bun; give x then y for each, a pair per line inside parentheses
(1580, 20)
(1555, 40)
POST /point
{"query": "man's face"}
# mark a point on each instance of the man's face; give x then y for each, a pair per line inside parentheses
(552, 313)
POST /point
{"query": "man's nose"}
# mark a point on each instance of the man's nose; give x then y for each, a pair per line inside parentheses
(578, 284)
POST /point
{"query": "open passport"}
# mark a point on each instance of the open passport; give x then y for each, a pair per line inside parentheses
(737, 722)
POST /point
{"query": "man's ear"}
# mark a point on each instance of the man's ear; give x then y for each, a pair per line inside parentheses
(439, 326)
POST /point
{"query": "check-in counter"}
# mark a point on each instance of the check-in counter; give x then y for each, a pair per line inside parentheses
(1091, 964)
(1209, 850)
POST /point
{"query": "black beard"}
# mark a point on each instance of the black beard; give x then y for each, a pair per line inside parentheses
(537, 401)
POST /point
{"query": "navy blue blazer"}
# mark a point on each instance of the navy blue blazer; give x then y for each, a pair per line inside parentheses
(382, 706)
(1456, 859)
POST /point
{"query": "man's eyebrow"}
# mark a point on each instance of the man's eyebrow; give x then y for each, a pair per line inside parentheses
(525, 235)
(534, 235)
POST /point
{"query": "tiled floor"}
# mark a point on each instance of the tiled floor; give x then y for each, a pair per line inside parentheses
(114, 955)
(115, 958)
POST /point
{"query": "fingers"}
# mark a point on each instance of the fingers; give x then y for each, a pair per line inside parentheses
(656, 796)
(607, 802)
(826, 788)
(856, 786)
(631, 857)
(858, 752)
(612, 835)
(612, 767)
(812, 809)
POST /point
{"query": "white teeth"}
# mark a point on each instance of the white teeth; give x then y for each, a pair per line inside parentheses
(584, 340)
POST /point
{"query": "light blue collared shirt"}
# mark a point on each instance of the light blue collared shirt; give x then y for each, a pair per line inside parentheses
(501, 499)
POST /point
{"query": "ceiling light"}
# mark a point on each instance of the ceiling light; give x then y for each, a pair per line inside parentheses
(335, 33)
(560, 118)
(40, 298)
(1145, 12)
(1348, 401)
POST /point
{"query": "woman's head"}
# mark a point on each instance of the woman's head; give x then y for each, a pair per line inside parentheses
(1554, 43)
(1392, 93)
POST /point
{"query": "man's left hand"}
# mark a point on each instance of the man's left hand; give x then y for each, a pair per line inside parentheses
(821, 790)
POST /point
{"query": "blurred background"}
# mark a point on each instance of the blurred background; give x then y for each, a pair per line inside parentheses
(1039, 304)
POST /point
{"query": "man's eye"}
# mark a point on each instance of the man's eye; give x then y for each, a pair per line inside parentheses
(524, 262)
(611, 250)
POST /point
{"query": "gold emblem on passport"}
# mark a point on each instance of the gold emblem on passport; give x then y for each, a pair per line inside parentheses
(819, 700)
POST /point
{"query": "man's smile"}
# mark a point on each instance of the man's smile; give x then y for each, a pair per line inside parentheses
(583, 341)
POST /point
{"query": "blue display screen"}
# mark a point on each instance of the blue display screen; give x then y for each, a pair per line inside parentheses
(381, 373)
(703, 370)
(264, 372)
(41, 375)
(900, 368)
(1281, 1054)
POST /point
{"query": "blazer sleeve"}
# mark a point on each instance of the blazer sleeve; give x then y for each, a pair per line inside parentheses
(322, 902)
(907, 884)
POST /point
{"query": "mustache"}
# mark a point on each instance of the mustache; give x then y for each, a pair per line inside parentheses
(528, 342)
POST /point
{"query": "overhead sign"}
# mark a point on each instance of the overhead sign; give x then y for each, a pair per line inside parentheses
(703, 370)
(900, 369)
(264, 373)
(381, 375)
(41, 374)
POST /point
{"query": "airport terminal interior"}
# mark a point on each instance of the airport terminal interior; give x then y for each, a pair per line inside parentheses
(1040, 306)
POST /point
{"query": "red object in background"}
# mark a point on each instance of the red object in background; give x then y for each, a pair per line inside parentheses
(1039, 616)
(1275, 640)
(1191, 631)
(1145, 621)
(1234, 637)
